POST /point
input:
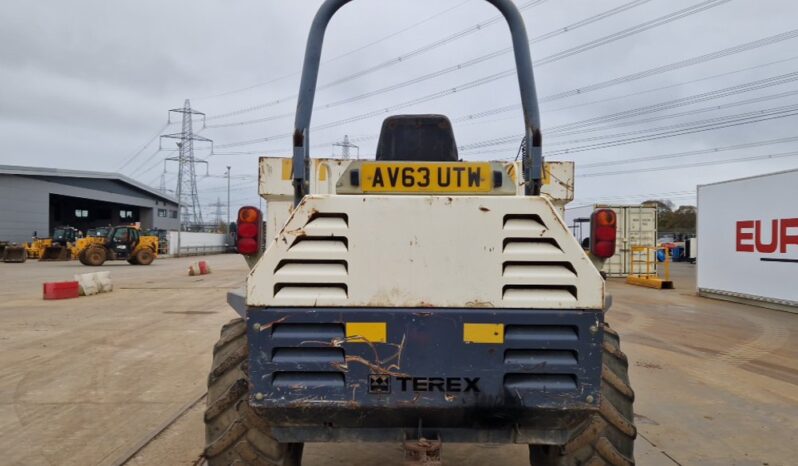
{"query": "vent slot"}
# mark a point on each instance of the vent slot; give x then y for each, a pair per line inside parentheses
(539, 293)
(325, 221)
(540, 382)
(541, 358)
(531, 246)
(333, 244)
(301, 268)
(308, 380)
(524, 223)
(308, 355)
(311, 291)
(539, 270)
(540, 333)
(318, 332)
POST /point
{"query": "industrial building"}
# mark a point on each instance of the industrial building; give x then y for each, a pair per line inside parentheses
(34, 201)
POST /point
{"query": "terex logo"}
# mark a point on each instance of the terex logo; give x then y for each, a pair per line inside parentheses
(448, 384)
(751, 236)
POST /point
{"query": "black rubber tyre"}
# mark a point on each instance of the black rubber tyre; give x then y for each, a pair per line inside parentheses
(608, 438)
(93, 256)
(234, 433)
(144, 257)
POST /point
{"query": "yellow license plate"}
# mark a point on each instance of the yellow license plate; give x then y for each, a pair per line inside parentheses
(424, 177)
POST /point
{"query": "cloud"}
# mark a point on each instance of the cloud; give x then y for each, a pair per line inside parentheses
(86, 83)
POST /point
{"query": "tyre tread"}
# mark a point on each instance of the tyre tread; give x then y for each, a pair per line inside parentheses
(234, 433)
(608, 438)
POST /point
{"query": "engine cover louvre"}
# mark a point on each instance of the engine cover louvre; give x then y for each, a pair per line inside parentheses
(388, 251)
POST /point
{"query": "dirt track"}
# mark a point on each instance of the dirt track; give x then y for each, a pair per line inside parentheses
(86, 381)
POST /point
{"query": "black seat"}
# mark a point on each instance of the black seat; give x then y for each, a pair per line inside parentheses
(422, 138)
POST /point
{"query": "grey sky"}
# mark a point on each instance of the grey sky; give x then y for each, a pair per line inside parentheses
(87, 83)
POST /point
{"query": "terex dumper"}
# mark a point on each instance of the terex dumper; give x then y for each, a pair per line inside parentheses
(419, 299)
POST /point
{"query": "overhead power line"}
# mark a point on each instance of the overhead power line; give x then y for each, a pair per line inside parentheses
(507, 50)
(394, 61)
(702, 6)
(639, 75)
(701, 59)
(343, 55)
(683, 129)
(720, 122)
(474, 117)
(690, 100)
(672, 86)
(694, 165)
(687, 113)
(576, 127)
(146, 162)
(601, 122)
(714, 150)
(129, 159)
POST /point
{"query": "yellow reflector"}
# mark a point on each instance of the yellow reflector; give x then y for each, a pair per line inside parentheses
(483, 333)
(288, 169)
(367, 332)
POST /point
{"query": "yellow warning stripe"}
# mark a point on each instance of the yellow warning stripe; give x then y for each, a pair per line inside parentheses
(366, 332)
(483, 333)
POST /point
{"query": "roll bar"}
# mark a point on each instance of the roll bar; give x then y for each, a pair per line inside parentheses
(533, 158)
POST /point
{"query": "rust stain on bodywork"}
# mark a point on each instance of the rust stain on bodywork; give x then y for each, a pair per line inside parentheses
(271, 324)
(298, 232)
(480, 304)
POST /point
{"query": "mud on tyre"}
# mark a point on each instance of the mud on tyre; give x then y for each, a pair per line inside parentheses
(143, 256)
(93, 256)
(234, 434)
(607, 438)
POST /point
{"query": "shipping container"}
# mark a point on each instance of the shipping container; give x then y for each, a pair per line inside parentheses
(748, 236)
(637, 226)
(692, 250)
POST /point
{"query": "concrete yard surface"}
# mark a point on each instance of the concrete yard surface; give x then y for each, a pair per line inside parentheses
(93, 380)
(83, 380)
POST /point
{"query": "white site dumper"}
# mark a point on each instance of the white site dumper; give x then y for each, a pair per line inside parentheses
(420, 299)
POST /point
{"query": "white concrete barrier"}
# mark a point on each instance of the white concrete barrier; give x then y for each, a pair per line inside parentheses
(193, 243)
(94, 283)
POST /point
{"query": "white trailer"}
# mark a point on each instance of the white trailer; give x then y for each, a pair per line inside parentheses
(637, 226)
(748, 231)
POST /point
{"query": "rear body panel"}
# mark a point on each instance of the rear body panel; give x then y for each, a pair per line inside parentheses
(425, 251)
(325, 174)
(535, 375)
(477, 317)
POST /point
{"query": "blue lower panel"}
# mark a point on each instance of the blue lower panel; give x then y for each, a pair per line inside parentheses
(305, 372)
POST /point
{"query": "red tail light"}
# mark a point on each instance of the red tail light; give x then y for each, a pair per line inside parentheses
(249, 225)
(603, 231)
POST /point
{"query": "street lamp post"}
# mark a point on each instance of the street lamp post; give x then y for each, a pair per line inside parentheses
(228, 196)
